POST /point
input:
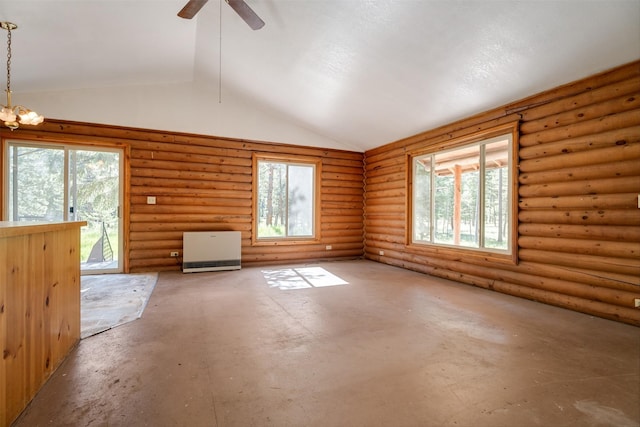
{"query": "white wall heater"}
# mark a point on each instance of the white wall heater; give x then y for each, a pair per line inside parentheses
(211, 251)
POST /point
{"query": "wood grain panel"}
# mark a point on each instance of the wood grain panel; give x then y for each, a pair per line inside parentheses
(609, 106)
(615, 137)
(39, 309)
(604, 232)
(616, 153)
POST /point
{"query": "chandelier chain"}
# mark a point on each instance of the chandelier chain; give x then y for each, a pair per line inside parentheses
(9, 59)
(14, 115)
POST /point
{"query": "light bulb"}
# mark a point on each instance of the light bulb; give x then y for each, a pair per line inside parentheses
(7, 115)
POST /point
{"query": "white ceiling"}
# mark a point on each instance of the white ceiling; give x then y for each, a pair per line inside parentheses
(356, 73)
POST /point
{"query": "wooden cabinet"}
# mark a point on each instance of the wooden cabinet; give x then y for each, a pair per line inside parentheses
(39, 307)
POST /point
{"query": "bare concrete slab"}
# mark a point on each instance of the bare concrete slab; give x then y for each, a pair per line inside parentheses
(381, 346)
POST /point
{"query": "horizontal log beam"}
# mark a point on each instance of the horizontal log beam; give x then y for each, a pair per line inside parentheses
(184, 192)
(191, 176)
(171, 210)
(192, 201)
(612, 138)
(581, 217)
(620, 96)
(591, 202)
(189, 184)
(596, 232)
(603, 248)
(144, 227)
(182, 218)
(625, 184)
(577, 129)
(625, 168)
(614, 265)
(605, 155)
(220, 166)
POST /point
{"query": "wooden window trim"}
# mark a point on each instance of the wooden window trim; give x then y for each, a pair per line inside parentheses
(463, 253)
(284, 241)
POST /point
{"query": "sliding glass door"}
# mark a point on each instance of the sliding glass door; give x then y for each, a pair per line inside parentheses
(69, 183)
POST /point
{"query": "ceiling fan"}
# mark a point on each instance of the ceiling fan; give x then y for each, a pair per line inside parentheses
(246, 13)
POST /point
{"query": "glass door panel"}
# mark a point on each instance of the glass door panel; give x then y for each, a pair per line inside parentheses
(60, 183)
(94, 197)
(36, 184)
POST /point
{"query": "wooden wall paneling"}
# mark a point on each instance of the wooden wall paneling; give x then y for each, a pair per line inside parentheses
(581, 217)
(4, 321)
(629, 100)
(624, 184)
(575, 106)
(566, 133)
(15, 353)
(581, 143)
(623, 168)
(603, 201)
(39, 308)
(208, 186)
(604, 264)
(601, 124)
(204, 183)
(579, 224)
(582, 158)
(616, 249)
(602, 232)
(62, 255)
(613, 280)
(3, 148)
(572, 91)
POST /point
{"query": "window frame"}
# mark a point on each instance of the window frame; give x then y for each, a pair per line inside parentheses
(464, 252)
(292, 160)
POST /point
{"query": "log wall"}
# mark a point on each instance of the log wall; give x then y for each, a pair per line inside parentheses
(579, 226)
(578, 239)
(205, 183)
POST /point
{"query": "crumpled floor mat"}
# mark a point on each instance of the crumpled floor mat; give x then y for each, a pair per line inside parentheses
(110, 300)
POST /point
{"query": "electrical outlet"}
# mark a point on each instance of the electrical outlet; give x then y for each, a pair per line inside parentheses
(174, 254)
(151, 200)
(636, 303)
(328, 247)
(381, 253)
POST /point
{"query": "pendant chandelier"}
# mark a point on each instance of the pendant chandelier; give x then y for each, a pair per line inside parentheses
(14, 115)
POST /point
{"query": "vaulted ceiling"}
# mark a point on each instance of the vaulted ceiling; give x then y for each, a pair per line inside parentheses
(352, 74)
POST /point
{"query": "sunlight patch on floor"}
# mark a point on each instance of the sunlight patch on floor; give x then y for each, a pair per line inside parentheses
(301, 278)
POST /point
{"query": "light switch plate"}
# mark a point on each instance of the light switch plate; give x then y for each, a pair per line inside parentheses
(151, 200)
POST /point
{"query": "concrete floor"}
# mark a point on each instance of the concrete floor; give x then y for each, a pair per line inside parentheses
(275, 347)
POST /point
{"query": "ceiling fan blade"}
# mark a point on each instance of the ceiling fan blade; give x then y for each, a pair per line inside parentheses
(246, 13)
(191, 8)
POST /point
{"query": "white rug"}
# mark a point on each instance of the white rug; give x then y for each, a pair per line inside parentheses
(110, 300)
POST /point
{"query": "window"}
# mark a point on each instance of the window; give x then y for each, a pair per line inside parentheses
(285, 198)
(463, 197)
(58, 182)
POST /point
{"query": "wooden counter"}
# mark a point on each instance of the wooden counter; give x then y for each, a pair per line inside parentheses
(39, 307)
